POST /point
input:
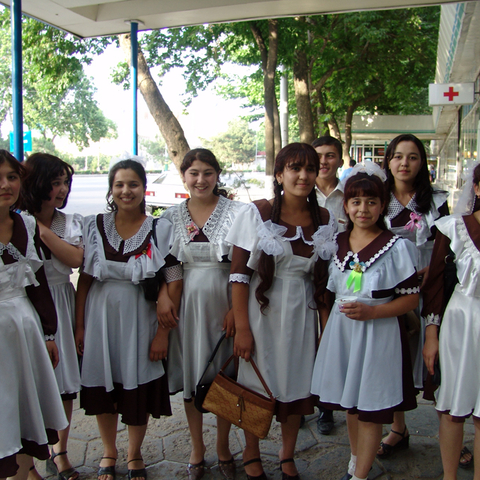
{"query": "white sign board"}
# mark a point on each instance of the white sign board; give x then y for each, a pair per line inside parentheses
(451, 94)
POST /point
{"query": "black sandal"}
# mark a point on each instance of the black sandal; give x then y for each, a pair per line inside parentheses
(33, 468)
(137, 472)
(286, 476)
(467, 463)
(53, 469)
(196, 470)
(110, 470)
(389, 450)
(262, 476)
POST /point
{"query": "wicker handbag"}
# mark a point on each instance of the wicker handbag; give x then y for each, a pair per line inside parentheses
(241, 406)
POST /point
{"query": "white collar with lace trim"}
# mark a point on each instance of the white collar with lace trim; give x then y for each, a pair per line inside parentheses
(342, 264)
(131, 244)
(59, 223)
(211, 229)
(395, 207)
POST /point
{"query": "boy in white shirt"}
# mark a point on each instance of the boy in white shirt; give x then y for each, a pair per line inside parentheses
(328, 187)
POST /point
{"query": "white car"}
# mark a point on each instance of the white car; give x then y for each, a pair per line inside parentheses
(166, 190)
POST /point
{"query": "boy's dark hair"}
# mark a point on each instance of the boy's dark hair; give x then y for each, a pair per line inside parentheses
(329, 140)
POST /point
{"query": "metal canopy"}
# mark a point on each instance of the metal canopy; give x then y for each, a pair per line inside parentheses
(90, 18)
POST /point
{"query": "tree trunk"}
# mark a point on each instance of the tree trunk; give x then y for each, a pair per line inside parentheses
(302, 97)
(269, 66)
(277, 131)
(349, 120)
(166, 121)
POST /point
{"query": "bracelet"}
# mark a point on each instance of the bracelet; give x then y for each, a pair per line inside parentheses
(49, 338)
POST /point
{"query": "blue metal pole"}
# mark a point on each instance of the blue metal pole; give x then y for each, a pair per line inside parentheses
(16, 22)
(134, 76)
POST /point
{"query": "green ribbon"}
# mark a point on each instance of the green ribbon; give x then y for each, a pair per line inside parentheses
(356, 279)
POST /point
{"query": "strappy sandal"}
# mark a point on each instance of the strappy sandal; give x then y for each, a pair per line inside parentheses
(137, 472)
(69, 473)
(466, 463)
(109, 471)
(286, 476)
(262, 476)
(196, 470)
(227, 468)
(33, 468)
(389, 450)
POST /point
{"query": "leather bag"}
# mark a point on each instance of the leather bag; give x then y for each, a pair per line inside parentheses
(245, 408)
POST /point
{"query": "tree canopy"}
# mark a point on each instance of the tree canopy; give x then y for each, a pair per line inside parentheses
(58, 98)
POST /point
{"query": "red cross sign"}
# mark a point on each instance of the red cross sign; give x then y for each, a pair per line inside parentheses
(451, 94)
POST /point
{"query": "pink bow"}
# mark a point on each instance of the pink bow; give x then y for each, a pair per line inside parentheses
(414, 222)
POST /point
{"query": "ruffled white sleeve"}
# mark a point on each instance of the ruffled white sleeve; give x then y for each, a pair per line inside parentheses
(244, 233)
(94, 257)
(467, 256)
(397, 265)
(74, 229)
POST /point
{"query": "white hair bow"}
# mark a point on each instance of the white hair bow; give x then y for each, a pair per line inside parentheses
(370, 168)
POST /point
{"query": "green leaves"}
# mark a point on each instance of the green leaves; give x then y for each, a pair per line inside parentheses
(58, 98)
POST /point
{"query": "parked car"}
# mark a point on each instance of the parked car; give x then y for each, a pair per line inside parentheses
(166, 190)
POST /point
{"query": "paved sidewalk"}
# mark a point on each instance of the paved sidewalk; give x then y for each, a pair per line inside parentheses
(166, 449)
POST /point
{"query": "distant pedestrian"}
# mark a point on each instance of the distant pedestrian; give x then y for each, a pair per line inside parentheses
(347, 171)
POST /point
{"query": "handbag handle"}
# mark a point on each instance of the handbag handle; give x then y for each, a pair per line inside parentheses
(212, 356)
(257, 371)
(154, 231)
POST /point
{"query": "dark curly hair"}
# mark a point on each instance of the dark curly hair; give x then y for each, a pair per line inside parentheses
(299, 154)
(17, 167)
(42, 169)
(205, 156)
(364, 185)
(423, 189)
(137, 167)
(476, 181)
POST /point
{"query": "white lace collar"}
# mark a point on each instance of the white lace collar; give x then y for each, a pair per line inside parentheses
(11, 249)
(211, 229)
(355, 260)
(395, 207)
(59, 222)
(131, 244)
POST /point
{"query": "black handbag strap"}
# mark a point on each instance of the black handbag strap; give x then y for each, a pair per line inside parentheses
(212, 356)
(154, 230)
(257, 371)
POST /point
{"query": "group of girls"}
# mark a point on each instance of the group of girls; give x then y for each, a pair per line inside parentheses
(256, 273)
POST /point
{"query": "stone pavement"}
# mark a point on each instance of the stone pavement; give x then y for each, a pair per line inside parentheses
(166, 449)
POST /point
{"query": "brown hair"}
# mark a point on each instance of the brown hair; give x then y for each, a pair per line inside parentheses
(17, 167)
(42, 169)
(125, 164)
(302, 154)
(364, 185)
(476, 181)
(205, 156)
